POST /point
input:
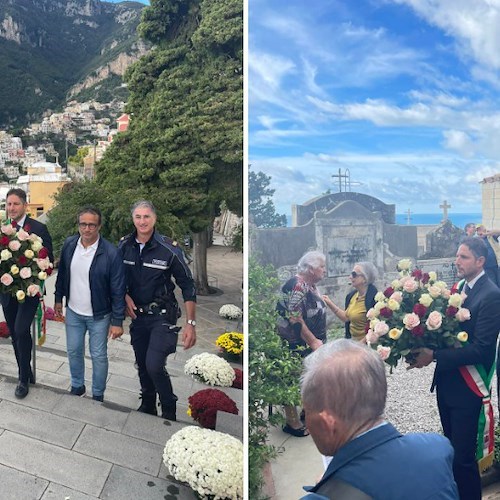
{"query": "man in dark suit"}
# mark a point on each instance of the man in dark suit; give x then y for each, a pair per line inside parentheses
(19, 316)
(459, 405)
(344, 390)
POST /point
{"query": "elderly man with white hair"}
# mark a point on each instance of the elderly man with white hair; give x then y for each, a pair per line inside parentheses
(344, 391)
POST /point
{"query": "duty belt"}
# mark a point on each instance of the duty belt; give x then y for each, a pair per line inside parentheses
(151, 309)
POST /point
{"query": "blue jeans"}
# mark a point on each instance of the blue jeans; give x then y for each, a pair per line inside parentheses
(76, 327)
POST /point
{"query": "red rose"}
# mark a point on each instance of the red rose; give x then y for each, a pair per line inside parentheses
(388, 291)
(451, 311)
(417, 273)
(49, 271)
(418, 331)
(27, 228)
(385, 312)
(22, 260)
(43, 253)
(419, 310)
(4, 241)
(425, 278)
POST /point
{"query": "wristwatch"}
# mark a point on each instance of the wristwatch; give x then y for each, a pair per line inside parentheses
(191, 322)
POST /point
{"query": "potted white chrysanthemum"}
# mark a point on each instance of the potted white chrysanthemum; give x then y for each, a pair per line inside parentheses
(210, 369)
(210, 462)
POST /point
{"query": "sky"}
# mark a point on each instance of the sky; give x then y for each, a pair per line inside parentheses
(404, 94)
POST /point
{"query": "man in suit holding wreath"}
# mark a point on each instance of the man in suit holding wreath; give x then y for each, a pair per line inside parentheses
(19, 316)
(463, 375)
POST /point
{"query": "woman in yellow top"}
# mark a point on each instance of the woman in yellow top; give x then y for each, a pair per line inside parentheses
(357, 302)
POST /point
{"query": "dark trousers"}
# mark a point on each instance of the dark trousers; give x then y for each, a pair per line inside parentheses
(153, 341)
(19, 317)
(460, 425)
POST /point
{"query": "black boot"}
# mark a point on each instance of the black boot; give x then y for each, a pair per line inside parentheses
(148, 404)
(168, 412)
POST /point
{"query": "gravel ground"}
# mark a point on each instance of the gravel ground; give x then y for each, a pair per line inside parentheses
(411, 407)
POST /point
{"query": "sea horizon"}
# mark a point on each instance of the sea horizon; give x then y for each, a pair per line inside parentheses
(457, 219)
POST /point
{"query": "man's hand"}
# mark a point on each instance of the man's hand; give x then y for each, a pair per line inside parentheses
(115, 332)
(131, 307)
(58, 309)
(423, 358)
(188, 336)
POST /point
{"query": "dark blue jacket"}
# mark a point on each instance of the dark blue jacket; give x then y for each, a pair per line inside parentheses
(385, 465)
(150, 273)
(106, 276)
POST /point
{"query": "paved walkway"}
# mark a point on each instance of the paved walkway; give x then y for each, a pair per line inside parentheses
(54, 446)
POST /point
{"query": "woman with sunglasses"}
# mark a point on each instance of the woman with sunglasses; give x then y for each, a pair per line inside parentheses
(357, 302)
(302, 320)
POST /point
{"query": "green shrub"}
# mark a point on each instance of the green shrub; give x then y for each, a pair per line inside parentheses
(274, 371)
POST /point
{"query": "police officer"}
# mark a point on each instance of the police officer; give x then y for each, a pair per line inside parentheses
(151, 261)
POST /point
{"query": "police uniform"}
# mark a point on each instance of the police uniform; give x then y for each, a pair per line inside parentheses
(149, 269)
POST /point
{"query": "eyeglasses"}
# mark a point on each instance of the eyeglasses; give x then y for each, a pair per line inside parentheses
(354, 274)
(85, 225)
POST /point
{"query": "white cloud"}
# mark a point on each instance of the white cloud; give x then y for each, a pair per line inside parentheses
(474, 24)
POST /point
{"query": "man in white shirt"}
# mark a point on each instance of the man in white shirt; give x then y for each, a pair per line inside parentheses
(92, 279)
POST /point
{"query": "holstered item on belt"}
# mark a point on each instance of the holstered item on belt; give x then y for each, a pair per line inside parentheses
(170, 311)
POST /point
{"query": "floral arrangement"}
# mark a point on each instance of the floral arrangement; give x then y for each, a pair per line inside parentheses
(230, 342)
(210, 462)
(238, 379)
(4, 329)
(230, 311)
(204, 405)
(210, 369)
(24, 262)
(50, 315)
(416, 311)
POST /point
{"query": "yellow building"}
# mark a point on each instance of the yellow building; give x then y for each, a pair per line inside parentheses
(41, 183)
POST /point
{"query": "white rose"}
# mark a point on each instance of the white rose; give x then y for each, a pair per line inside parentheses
(426, 300)
(404, 264)
(5, 255)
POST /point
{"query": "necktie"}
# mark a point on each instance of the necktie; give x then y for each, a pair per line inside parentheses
(467, 289)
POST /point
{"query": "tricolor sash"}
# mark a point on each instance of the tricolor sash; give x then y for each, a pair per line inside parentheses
(479, 382)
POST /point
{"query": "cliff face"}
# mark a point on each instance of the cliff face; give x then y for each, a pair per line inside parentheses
(58, 48)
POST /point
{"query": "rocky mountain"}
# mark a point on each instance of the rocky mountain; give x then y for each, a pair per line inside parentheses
(53, 50)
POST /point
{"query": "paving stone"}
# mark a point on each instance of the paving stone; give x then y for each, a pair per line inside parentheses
(91, 412)
(119, 449)
(69, 468)
(230, 424)
(150, 428)
(38, 397)
(123, 483)
(50, 379)
(33, 487)
(130, 384)
(58, 492)
(39, 424)
(122, 397)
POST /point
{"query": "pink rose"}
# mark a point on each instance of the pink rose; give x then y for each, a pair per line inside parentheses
(410, 286)
(381, 328)
(434, 320)
(8, 229)
(14, 245)
(411, 321)
(43, 264)
(6, 279)
(372, 313)
(25, 273)
(371, 337)
(463, 314)
(383, 352)
(22, 235)
(397, 296)
(33, 290)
